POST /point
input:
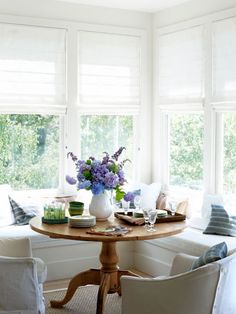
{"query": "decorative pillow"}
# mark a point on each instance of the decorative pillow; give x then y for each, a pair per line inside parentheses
(208, 200)
(21, 218)
(220, 222)
(213, 254)
(149, 194)
(161, 201)
(182, 207)
(6, 215)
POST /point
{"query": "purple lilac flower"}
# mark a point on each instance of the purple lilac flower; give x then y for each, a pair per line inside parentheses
(80, 177)
(99, 172)
(97, 188)
(84, 184)
(121, 176)
(99, 175)
(111, 180)
(105, 158)
(73, 157)
(83, 166)
(129, 197)
(70, 180)
(116, 155)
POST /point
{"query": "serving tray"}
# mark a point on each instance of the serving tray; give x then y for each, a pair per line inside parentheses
(139, 221)
(171, 218)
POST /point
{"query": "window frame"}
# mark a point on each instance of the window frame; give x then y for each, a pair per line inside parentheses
(141, 145)
(211, 106)
(70, 120)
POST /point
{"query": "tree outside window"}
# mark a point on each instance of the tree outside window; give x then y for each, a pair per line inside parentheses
(29, 146)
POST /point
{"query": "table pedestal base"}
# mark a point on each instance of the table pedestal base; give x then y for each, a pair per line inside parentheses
(108, 278)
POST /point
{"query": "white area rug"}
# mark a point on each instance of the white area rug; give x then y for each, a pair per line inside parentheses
(83, 302)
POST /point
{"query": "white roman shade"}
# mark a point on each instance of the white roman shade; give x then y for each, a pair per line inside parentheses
(32, 69)
(109, 73)
(180, 64)
(224, 58)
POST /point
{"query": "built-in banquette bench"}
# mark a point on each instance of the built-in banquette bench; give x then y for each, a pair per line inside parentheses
(65, 258)
(157, 255)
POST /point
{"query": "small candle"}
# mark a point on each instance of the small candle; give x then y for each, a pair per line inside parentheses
(54, 211)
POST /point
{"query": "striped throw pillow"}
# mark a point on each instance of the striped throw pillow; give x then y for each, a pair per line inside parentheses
(21, 218)
(221, 222)
(213, 254)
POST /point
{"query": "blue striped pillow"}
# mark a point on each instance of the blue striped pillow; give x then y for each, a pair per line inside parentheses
(213, 254)
(21, 218)
(220, 222)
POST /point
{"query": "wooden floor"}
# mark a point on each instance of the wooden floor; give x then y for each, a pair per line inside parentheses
(61, 284)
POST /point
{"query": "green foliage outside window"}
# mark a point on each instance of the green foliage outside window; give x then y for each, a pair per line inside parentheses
(230, 153)
(29, 151)
(186, 150)
(106, 133)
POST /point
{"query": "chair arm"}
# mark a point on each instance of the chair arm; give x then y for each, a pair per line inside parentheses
(182, 263)
(19, 285)
(41, 270)
(15, 247)
(171, 295)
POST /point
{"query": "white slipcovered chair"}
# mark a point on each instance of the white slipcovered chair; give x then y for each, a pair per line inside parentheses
(21, 278)
(210, 289)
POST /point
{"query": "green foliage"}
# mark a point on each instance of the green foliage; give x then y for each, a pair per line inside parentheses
(29, 151)
(119, 194)
(186, 150)
(106, 133)
(230, 152)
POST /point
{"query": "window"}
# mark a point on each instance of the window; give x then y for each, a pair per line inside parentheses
(32, 69)
(106, 134)
(196, 99)
(32, 102)
(186, 150)
(224, 62)
(180, 64)
(29, 146)
(229, 160)
(109, 93)
(224, 95)
(180, 103)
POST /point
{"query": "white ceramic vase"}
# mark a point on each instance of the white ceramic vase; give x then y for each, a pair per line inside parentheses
(100, 206)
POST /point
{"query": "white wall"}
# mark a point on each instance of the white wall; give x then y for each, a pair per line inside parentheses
(75, 12)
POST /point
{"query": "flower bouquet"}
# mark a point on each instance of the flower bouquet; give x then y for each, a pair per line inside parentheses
(100, 175)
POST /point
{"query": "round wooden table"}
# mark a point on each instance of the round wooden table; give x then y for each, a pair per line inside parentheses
(108, 276)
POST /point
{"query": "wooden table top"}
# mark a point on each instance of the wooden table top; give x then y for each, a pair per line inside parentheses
(137, 233)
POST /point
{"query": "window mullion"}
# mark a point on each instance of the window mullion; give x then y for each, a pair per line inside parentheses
(220, 153)
(209, 115)
(71, 127)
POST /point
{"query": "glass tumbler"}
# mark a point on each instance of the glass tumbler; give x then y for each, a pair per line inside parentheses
(146, 216)
(152, 216)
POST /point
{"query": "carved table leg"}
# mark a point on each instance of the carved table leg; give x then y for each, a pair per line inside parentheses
(108, 278)
(102, 292)
(91, 276)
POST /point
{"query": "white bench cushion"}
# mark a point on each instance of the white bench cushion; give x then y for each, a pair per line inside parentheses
(193, 242)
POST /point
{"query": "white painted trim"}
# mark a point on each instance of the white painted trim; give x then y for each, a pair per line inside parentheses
(211, 105)
(65, 24)
(70, 124)
(219, 169)
(224, 14)
(182, 107)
